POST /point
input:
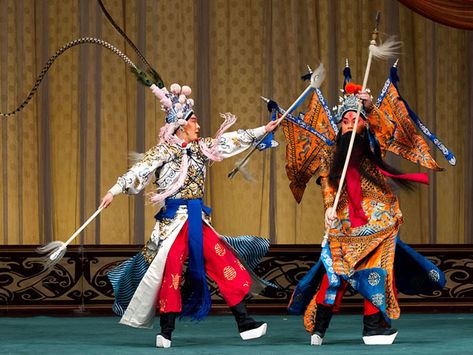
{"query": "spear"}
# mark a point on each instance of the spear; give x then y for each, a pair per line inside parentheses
(387, 50)
(316, 80)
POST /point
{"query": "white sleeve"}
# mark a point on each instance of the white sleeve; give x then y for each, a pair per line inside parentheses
(141, 173)
(233, 143)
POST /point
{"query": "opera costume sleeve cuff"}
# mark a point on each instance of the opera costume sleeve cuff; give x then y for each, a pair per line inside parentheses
(116, 189)
(257, 132)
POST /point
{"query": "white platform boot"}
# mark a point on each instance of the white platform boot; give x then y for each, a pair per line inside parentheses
(376, 332)
(167, 322)
(247, 326)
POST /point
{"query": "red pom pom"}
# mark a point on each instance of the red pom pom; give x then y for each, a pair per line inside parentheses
(351, 88)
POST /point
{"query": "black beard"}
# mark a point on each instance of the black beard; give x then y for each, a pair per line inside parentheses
(361, 150)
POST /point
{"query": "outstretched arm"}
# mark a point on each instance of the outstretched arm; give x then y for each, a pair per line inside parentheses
(233, 143)
(139, 175)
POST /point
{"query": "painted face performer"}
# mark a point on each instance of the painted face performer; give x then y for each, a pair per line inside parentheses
(367, 194)
(363, 250)
(182, 231)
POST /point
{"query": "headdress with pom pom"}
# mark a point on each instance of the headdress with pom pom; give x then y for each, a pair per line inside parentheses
(349, 101)
(175, 103)
(178, 109)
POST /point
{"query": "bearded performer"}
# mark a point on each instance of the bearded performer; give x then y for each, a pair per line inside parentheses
(368, 211)
(183, 231)
(363, 250)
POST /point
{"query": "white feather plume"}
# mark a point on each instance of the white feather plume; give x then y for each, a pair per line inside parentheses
(55, 250)
(388, 49)
(247, 175)
(243, 169)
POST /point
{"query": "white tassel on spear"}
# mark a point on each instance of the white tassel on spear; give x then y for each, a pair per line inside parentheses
(384, 51)
(316, 80)
(57, 249)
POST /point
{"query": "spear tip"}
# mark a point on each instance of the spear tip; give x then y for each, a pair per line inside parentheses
(378, 19)
(232, 173)
(265, 99)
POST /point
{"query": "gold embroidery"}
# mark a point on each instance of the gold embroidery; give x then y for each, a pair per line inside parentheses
(194, 184)
(149, 251)
(176, 280)
(219, 249)
(162, 305)
(229, 273)
(236, 142)
(165, 222)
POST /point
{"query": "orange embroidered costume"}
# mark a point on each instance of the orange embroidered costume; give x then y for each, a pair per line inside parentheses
(363, 248)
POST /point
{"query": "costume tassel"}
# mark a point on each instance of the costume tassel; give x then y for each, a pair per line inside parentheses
(387, 50)
(57, 249)
(245, 172)
(156, 198)
(211, 152)
(135, 157)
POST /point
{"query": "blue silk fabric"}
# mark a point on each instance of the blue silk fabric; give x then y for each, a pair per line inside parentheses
(197, 304)
(414, 274)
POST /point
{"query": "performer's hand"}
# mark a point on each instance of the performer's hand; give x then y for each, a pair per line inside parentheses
(365, 98)
(106, 200)
(330, 217)
(271, 126)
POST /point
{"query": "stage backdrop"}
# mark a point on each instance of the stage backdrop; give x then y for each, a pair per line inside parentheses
(66, 148)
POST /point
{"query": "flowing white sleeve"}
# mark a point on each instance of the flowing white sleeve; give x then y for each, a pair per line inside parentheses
(142, 172)
(233, 143)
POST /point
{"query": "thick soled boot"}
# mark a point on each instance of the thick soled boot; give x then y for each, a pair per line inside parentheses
(247, 326)
(167, 322)
(322, 321)
(376, 331)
